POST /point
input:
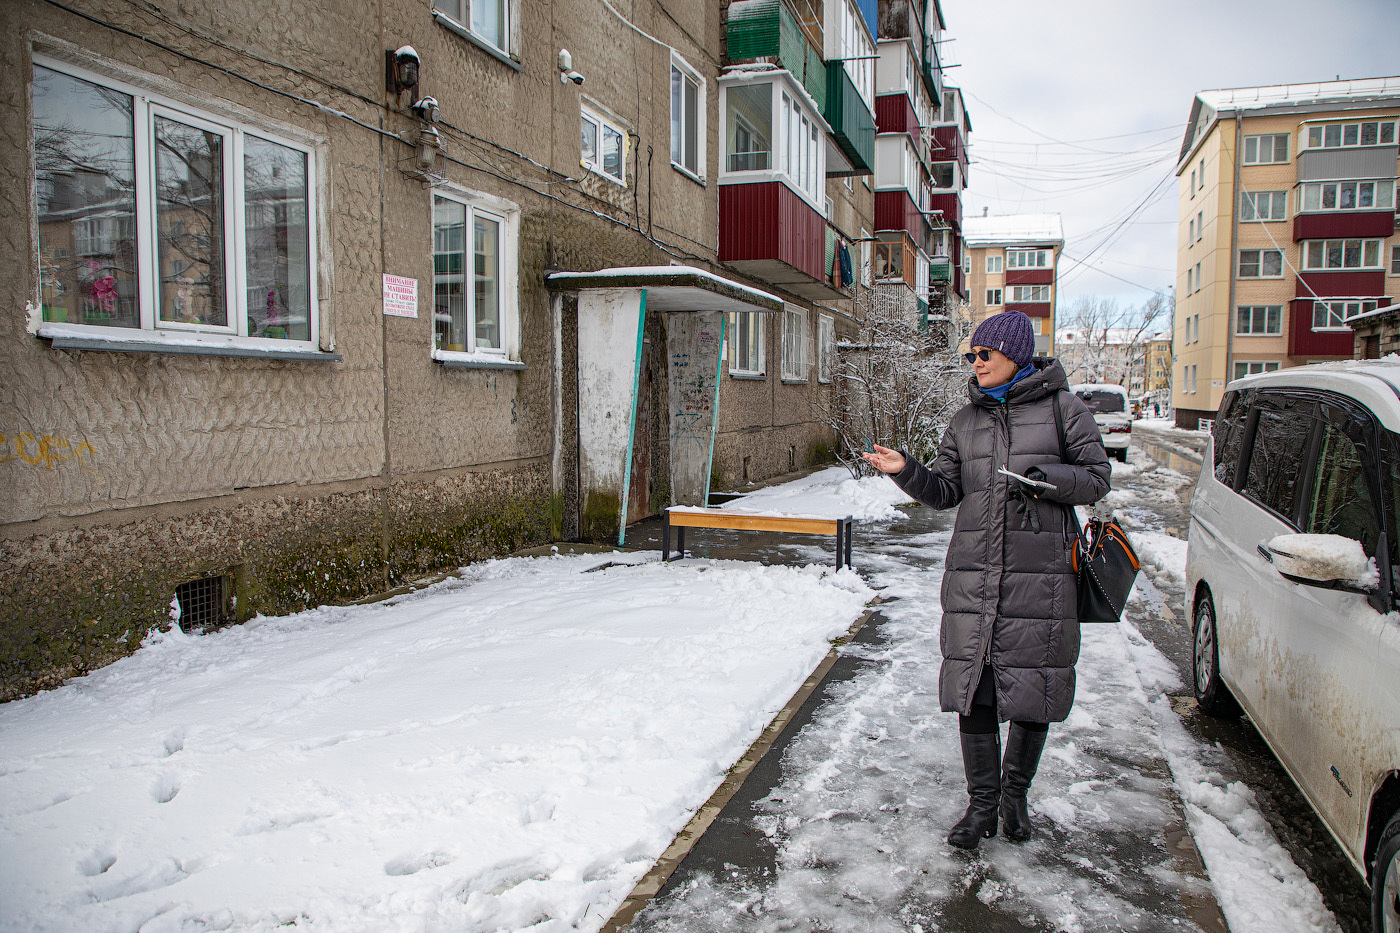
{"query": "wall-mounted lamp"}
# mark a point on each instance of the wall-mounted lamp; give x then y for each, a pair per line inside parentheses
(566, 69)
(401, 68)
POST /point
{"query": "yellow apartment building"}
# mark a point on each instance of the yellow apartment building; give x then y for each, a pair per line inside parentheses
(1286, 230)
(1011, 267)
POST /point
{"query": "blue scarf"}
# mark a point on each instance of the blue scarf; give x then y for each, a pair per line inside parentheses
(999, 392)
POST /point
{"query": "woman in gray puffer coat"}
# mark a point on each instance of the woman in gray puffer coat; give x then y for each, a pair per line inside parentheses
(1010, 635)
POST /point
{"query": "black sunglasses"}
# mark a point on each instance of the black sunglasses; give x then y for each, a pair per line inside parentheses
(983, 355)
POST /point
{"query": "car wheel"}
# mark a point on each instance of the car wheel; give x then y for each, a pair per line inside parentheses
(1385, 881)
(1212, 695)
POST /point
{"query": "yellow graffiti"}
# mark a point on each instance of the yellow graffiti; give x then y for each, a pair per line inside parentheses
(44, 451)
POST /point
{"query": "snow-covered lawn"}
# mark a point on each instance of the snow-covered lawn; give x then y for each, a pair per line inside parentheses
(507, 751)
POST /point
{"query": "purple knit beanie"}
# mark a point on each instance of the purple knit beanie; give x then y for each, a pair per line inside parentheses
(1010, 332)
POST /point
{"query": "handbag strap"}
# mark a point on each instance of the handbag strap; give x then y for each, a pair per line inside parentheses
(1064, 458)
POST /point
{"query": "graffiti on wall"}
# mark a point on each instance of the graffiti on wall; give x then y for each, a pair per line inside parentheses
(46, 450)
(693, 416)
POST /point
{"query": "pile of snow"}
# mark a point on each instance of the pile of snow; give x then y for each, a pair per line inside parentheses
(509, 750)
(829, 493)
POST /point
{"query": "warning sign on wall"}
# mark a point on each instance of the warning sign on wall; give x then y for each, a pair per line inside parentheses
(400, 296)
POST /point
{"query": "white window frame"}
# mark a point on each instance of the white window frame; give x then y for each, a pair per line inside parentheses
(1257, 143)
(1028, 294)
(679, 67)
(1312, 248)
(459, 14)
(1259, 264)
(1198, 276)
(1319, 133)
(994, 265)
(1395, 259)
(603, 124)
(1028, 259)
(1188, 280)
(826, 348)
(993, 297)
(867, 258)
(756, 322)
(1247, 316)
(147, 105)
(1193, 183)
(1250, 202)
(850, 42)
(792, 114)
(507, 214)
(1312, 195)
(796, 337)
(1190, 232)
(1254, 367)
(1339, 311)
(1200, 226)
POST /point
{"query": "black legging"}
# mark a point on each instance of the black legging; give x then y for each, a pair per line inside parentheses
(983, 720)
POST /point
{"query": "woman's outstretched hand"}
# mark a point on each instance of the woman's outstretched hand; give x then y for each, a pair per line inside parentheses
(884, 459)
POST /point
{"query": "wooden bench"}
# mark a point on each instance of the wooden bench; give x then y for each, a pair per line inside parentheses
(681, 519)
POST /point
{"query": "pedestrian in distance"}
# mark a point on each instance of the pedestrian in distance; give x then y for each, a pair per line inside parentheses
(1010, 629)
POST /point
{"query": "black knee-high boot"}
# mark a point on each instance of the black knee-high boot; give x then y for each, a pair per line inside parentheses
(982, 765)
(1023, 748)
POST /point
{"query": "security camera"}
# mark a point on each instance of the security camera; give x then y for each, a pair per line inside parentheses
(573, 76)
(426, 109)
(566, 68)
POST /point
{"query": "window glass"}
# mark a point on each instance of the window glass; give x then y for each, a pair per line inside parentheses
(489, 21)
(588, 142)
(189, 182)
(749, 126)
(1101, 401)
(685, 94)
(84, 160)
(486, 249)
(1229, 432)
(449, 282)
(746, 330)
(276, 193)
(1277, 459)
(826, 348)
(794, 343)
(1341, 501)
(1390, 470)
(612, 152)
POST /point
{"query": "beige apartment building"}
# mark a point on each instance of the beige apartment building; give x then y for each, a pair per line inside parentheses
(1287, 200)
(1011, 267)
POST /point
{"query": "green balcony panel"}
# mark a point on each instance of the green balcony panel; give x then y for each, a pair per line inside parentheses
(766, 30)
(852, 123)
(831, 241)
(814, 78)
(940, 270)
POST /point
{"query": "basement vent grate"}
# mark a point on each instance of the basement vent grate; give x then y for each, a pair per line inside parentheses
(202, 603)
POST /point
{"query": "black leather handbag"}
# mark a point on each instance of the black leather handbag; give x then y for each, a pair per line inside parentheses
(1105, 564)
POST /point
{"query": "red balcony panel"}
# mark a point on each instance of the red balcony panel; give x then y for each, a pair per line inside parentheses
(948, 145)
(1031, 308)
(1030, 276)
(1304, 341)
(894, 113)
(1343, 224)
(896, 210)
(951, 206)
(1341, 284)
(767, 222)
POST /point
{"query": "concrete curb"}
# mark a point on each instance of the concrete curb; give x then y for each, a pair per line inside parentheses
(653, 881)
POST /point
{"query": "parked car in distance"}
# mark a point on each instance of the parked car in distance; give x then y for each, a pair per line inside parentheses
(1109, 403)
(1293, 572)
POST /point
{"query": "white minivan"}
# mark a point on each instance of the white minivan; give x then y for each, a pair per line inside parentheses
(1109, 403)
(1293, 572)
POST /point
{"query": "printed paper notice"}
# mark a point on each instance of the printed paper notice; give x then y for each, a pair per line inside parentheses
(400, 296)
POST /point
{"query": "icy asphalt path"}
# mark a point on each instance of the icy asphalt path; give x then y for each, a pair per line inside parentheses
(851, 835)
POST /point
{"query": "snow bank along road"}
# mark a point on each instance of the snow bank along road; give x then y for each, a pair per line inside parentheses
(507, 751)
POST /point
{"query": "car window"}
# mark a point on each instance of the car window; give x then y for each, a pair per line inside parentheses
(1391, 469)
(1101, 402)
(1277, 459)
(1341, 500)
(1229, 434)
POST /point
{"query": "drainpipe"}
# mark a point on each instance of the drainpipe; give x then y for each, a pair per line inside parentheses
(1234, 251)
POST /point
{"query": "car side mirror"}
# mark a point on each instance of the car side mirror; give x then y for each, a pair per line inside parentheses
(1330, 561)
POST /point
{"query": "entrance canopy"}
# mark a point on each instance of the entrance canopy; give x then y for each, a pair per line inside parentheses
(672, 288)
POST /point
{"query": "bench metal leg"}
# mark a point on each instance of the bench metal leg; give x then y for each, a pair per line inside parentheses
(665, 536)
(680, 541)
(840, 539)
(850, 531)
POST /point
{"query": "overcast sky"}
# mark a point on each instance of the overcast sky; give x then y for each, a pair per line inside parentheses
(1078, 107)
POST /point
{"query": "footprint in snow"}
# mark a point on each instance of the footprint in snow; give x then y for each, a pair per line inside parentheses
(96, 862)
(174, 741)
(165, 788)
(411, 864)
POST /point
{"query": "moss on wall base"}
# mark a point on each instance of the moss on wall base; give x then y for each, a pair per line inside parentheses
(73, 601)
(599, 521)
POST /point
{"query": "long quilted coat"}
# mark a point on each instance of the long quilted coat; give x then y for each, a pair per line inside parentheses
(1009, 593)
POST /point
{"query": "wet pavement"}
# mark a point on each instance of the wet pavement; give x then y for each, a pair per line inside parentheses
(841, 825)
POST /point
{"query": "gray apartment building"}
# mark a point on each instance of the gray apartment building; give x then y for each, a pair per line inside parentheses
(308, 300)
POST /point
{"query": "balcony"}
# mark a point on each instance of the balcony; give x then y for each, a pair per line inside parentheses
(1030, 276)
(949, 146)
(1306, 342)
(852, 124)
(1318, 226)
(768, 31)
(894, 113)
(767, 231)
(951, 206)
(940, 269)
(896, 210)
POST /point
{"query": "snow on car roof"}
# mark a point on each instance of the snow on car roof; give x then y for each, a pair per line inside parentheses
(1374, 383)
(1099, 387)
